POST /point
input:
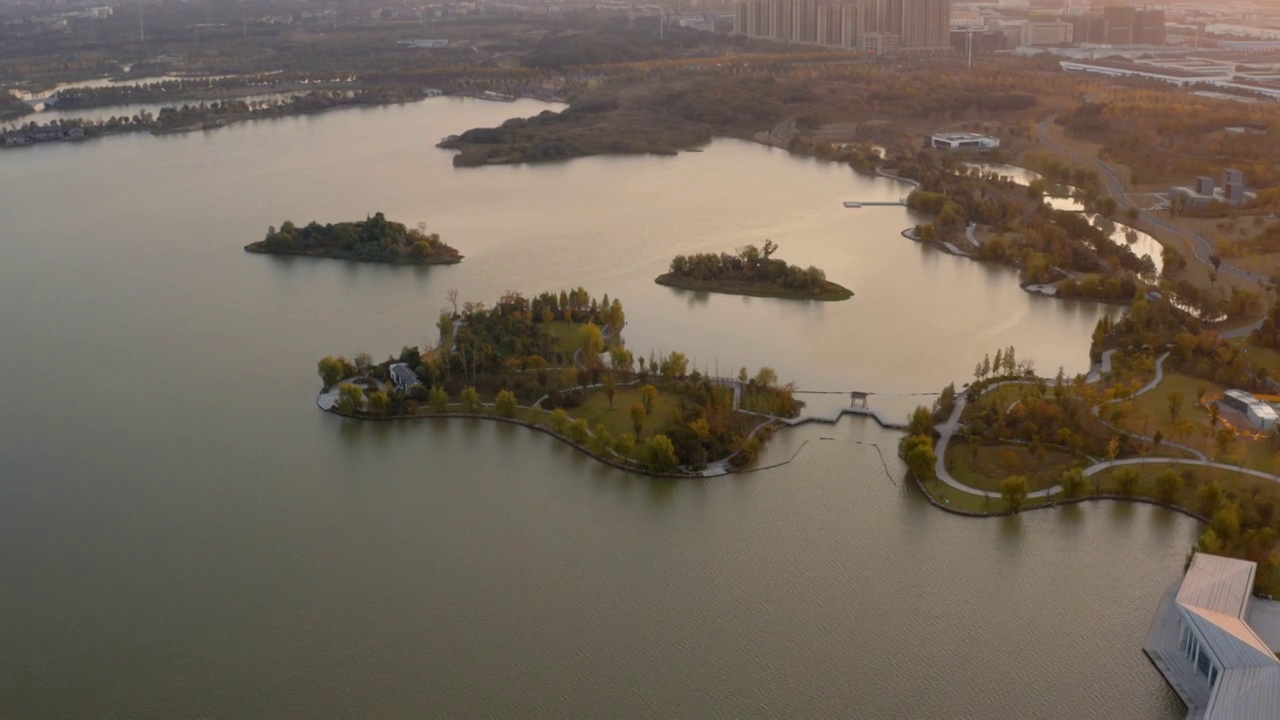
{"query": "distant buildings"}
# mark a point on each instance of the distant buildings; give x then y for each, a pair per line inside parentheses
(881, 27)
(1054, 32)
(1203, 192)
(963, 141)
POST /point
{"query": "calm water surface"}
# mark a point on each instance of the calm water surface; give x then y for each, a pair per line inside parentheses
(183, 534)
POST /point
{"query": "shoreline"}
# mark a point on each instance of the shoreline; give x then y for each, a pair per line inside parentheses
(256, 249)
(714, 469)
(832, 292)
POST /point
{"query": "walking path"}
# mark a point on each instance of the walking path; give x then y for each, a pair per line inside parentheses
(947, 430)
(1095, 469)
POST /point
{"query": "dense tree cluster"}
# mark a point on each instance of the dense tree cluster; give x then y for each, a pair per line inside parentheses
(749, 264)
(1180, 135)
(375, 239)
(1046, 244)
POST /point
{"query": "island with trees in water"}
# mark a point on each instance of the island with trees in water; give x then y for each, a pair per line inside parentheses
(557, 362)
(374, 239)
(751, 271)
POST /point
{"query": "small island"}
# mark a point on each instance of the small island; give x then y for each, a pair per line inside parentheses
(374, 239)
(751, 271)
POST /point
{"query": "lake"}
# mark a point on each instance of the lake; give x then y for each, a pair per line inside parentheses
(184, 534)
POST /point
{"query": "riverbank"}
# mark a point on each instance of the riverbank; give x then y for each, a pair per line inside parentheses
(826, 292)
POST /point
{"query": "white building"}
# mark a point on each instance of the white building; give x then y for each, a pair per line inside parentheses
(1200, 640)
(1040, 34)
(963, 141)
(1260, 414)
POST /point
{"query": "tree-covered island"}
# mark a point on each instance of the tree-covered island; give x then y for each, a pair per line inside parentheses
(751, 271)
(375, 239)
(557, 362)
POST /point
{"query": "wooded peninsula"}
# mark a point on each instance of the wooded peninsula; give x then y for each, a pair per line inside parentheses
(751, 271)
(557, 363)
(375, 239)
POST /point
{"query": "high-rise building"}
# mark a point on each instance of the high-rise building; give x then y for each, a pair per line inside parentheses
(853, 23)
(914, 24)
(926, 24)
(1120, 22)
(1149, 27)
(1087, 28)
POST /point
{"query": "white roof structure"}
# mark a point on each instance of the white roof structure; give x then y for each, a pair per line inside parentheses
(1242, 678)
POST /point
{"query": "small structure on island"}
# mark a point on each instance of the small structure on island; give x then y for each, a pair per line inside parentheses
(404, 377)
(1202, 643)
(858, 399)
(1259, 414)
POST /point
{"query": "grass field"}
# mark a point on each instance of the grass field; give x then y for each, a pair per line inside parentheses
(1151, 412)
(996, 462)
(1259, 356)
(566, 333)
(596, 410)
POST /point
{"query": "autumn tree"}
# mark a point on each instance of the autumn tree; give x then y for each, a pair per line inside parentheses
(1126, 481)
(638, 415)
(438, 399)
(1014, 491)
(1168, 485)
(766, 377)
(1207, 499)
(505, 404)
(921, 458)
(579, 431)
(1175, 400)
(350, 399)
(659, 454)
(1073, 482)
(471, 400)
(648, 394)
(379, 403)
(331, 370)
(625, 445)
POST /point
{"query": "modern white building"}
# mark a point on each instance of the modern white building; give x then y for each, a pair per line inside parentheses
(1260, 414)
(1202, 643)
(963, 141)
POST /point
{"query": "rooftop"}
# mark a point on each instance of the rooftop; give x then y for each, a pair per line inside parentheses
(1213, 599)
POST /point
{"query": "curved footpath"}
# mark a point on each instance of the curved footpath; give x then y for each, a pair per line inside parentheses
(1095, 469)
(948, 429)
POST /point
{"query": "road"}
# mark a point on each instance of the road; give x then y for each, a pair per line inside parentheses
(1199, 246)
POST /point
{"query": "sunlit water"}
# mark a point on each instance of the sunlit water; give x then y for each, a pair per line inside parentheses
(1059, 198)
(183, 533)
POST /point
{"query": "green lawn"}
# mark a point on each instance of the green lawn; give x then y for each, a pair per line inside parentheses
(1151, 413)
(1000, 398)
(1259, 356)
(996, 462)
(595, 409)
(566, 333)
